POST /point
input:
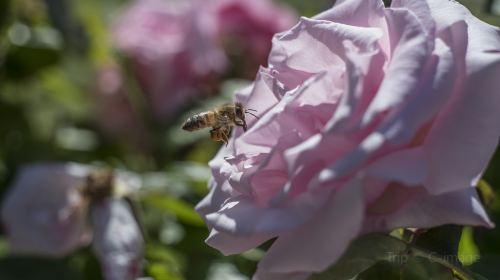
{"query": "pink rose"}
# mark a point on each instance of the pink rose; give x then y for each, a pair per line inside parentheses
(371, 118)
(174, 50)
(247, 26)
(177, 47)
(46, 214)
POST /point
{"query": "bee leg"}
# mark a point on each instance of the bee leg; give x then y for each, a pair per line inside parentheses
(242, 123)
(215, 134)
(225, 139)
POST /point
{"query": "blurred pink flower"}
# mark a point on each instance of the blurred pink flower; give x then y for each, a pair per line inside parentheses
(46, 214)
(174, 50)
(116, 116)
(371, 118)
(247, 26)
(177, 46)
(118, 240)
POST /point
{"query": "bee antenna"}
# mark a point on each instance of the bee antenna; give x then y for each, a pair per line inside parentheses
(252, 114)
(252, 110)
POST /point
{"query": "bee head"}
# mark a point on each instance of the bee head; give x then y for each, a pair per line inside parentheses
(239, 111)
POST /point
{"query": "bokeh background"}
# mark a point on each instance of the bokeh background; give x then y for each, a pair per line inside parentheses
(109, 82)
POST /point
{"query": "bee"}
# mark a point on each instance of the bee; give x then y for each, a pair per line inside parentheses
(221, 119)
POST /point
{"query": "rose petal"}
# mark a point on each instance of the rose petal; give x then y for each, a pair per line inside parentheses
(405, 72)
(291, 49)
(409, 47)
(367, 13)
(459, 153)
(483, 37)
(233, 216)
(290, 112)
(328, 235)
(407, 166)
(363, 79)
(230, 244)
(423, 12)
(461, 207)
(118, 241)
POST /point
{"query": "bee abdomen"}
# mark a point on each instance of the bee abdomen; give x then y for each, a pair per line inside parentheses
(198, 121)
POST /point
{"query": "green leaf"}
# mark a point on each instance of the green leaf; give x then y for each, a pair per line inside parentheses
(164, 263)
(468, 253)
(90, 14)
(64, 92)
(3, 246)
(381, 270)
(370, 254)
(24, 61)
(362, 254)
(161, 272)
(442, 240)
(26, 268)
(181, 209)
(4, 10)
(487, 266)
(417, 268)
(31, 50)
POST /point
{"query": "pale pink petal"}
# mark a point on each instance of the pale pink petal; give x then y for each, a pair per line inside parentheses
(291, 49)
(293, 110)
(216, 197)
(363, 80)
(464, 137)
(366, 13)
(408, 41)
(407, 166)
(405, 70)
(118, 241)
(421, 9)
(233, 216)
(462, 141)
(52, 224)
(483, 37)
(320, 242)
(229, 244)
(461, 207)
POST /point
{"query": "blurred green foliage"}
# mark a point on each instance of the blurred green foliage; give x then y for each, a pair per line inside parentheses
(50, 52)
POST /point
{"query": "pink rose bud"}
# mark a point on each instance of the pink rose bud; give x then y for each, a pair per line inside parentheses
(371, 118)
(118, 241)
(45, 213)
(174, 50)
(247, 26)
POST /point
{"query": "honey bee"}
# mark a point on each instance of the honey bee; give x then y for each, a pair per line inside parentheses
(221, 119)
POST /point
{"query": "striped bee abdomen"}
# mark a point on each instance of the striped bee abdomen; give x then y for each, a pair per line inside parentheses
(199, 121)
